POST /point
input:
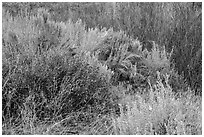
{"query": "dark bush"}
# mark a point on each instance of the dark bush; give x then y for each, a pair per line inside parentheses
(83, 87)
(187, 55)
(67, 87)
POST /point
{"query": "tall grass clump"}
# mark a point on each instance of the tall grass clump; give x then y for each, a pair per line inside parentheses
(160, 114)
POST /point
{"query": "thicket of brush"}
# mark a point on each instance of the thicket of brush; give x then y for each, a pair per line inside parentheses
(77, 77)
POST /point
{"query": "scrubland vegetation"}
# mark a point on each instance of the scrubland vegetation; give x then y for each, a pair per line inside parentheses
(102, 68)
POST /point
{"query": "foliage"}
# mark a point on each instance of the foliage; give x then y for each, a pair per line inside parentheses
(77, 77)
(41, 76)
(160, 114)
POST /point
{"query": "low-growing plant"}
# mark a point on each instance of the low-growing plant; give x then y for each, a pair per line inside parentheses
(161, 114)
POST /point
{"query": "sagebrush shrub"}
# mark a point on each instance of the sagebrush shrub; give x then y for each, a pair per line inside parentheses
(84, 87)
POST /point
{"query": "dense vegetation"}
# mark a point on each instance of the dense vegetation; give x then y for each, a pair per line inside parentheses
(102, 68)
